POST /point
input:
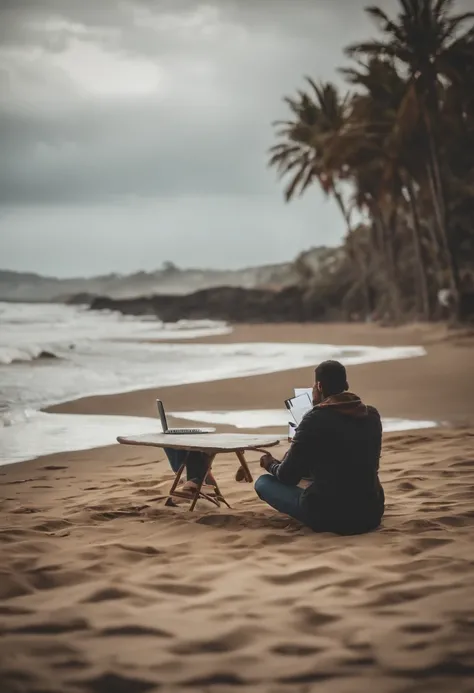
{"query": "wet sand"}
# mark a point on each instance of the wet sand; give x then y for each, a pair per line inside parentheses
(438, 386)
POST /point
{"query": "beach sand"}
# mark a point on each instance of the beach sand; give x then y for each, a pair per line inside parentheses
(103, 589)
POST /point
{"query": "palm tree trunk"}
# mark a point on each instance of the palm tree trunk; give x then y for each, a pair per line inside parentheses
(390, 230)
(386, 242)
(438, 193)
(436, 245)
(361, 263)
(421, 274)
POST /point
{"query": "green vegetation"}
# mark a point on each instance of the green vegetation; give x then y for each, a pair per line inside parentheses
(397, 152)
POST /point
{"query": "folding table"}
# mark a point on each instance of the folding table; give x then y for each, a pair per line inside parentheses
(211, 444)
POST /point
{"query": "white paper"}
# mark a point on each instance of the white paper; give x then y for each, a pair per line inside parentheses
(300, 391)
(299, 406)
(304, 390)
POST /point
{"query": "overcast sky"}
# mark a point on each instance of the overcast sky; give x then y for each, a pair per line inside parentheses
(134, 132)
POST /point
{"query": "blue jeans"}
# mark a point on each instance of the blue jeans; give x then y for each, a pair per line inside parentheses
(196, 463)
(285, 499)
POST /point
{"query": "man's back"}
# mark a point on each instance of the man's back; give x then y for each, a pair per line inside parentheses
(338, 446)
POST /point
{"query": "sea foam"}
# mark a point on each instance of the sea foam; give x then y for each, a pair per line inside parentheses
(106, 353)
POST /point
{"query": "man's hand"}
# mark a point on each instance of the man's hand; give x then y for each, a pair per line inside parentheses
(266, 460)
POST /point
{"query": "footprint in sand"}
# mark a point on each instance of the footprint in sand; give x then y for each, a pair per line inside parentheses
(70, 663)
(145, 483)
(14, 680)
(402, 596)
(218, 679)
(12, 586)
(107, 594)
(134, 630)
(132, 511)
(44, 579)
(310, 619)
(314, 676)
(114, 683)
(352, 582)
(290, 578)
(421, 628)
(463, 463)
(276, 539)
(295, 650)
(180, 590)
(25, 510)
(52, 525)
(145, 550)
(52, 627)
(228, 642)
(406, 486)
(419, 546)
(427, 543)
(10, 610)
(220, 520)
(455, 520)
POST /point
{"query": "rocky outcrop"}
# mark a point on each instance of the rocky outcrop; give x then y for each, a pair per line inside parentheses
(232, 304)
(80, 299)
(169, 280)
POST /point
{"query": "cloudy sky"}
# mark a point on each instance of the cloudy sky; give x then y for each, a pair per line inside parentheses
(135, 131)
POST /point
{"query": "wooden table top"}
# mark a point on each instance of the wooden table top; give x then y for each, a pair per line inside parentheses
(205, 442)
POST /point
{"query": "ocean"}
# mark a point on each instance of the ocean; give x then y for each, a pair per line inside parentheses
(53, 353)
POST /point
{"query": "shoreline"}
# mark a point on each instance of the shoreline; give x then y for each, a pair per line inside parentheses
(441, 386)
(441, 383)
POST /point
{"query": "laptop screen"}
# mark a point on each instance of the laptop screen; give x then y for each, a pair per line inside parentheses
(162, 415)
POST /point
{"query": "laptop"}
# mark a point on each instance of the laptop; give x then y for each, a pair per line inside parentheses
(178, 431)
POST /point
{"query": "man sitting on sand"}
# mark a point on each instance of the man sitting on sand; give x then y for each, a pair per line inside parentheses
(337, 445)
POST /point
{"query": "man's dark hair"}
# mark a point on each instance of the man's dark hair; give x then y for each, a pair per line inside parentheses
(332, 376)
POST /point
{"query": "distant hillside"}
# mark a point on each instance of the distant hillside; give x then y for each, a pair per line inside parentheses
(28, 287)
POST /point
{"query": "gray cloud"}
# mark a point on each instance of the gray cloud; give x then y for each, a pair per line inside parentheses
(160, 100)
(205, 132)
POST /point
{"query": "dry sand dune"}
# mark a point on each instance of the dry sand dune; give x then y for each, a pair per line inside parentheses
(105, 590)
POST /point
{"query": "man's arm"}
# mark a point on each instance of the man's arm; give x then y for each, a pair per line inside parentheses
(295, 463)
(374, 413)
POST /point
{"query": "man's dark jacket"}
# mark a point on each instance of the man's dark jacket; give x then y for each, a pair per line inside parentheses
(337, 445)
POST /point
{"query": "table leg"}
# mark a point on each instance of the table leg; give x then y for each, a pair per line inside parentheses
(169, 500)
(198, 490)
(243, 464)
(219, 495)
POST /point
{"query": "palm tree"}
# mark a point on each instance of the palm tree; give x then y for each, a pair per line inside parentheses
(305, 153)
(403, 142)
(387, 151)
(426, 39)
(318, 120)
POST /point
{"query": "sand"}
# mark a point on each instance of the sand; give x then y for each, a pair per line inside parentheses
(103, 589)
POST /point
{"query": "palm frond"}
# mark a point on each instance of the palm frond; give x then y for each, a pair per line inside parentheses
(381, 19)
(371, 48)
(295, 183)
